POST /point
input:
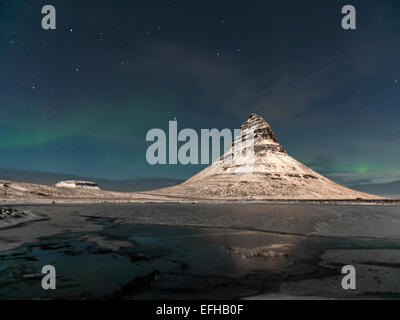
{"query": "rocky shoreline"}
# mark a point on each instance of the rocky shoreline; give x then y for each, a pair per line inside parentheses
(11, 213)
(177, 201)
(10, 217)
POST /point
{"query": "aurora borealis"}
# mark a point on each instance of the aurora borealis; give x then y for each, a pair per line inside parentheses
(80, 99)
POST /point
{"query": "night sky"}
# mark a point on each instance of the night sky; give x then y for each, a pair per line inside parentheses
(80, 99)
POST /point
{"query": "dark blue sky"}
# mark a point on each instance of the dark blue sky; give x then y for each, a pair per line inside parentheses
(80, 99)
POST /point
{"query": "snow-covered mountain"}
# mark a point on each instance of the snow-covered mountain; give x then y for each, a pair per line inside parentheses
(275, 174)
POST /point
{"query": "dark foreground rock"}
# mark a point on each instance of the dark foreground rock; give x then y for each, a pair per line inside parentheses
(11, 213)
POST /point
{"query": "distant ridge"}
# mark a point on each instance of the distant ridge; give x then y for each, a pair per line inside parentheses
(388, 189)
(128, 185)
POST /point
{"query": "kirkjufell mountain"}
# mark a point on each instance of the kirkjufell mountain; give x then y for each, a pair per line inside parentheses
(275, 176)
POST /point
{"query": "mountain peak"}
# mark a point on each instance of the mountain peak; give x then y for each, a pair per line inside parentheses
(264, 137)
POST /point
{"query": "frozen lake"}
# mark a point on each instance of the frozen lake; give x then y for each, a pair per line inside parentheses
(185, 251)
